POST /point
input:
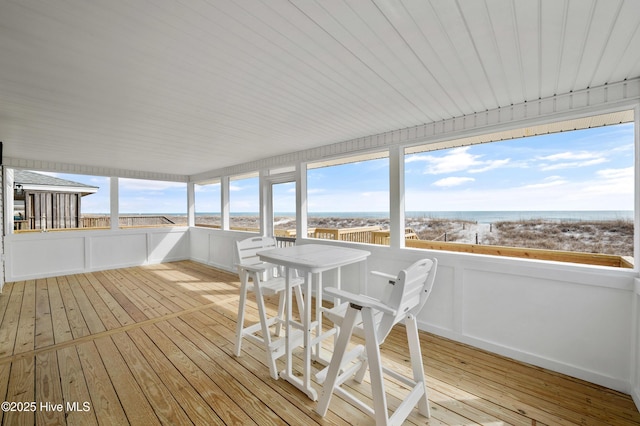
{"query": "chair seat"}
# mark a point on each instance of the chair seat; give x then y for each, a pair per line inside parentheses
(276, 285)
(337, 313)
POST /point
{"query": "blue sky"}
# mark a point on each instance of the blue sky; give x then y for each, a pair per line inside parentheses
(589, 169)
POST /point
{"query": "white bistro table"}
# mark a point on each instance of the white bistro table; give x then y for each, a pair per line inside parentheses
(310, 260)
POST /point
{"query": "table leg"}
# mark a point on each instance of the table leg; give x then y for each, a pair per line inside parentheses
(288, 314)
(306, 373)
(318, 316)
(304, 383)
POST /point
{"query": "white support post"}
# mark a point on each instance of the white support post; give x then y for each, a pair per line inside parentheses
(8, 200)
(396, 196)
(266, 207)
(114, 203)
(301, 200)
(191, 204)
(224, 202)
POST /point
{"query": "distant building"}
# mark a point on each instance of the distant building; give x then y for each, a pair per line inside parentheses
(47, 202)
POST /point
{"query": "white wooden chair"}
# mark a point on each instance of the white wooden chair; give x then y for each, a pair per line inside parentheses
(373, 319)
(266, 280)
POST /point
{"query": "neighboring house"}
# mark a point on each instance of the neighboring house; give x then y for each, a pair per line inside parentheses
(47, 202)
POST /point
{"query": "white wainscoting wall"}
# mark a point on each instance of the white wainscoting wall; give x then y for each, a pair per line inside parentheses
(635, 341)
(46, 254)
(574, 319)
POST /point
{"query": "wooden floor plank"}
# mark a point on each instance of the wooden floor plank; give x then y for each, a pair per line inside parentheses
(85, 308)
(25, 337)
(48, 390)
(225, 370)
(74, 389)
(5, 370)
(123, 299)
(155, 344)
(21, 390)
(44, 335)
(197, 404)
(164, 299)
(118, 311)
(11, 318)
(136, 406)
(105, 403)
(164, 405)
(251, 374)
(137, 293)
(102, 316)
(563, 394)
(59, 319)
(77, 323)
(227, 409)
(5, 294)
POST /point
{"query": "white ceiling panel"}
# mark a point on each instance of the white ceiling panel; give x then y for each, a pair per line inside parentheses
(184, 87)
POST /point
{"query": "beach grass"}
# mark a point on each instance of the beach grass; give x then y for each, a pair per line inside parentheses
(605, 236)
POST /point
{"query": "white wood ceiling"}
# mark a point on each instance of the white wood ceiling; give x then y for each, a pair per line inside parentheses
(186, 87)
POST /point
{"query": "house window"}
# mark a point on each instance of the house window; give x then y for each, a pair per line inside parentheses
(151, 203)
(348, 199)
(567, 191)
(45, 201)
(207, 204)
(244, 203)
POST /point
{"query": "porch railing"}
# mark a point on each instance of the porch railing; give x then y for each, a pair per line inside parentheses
(98, 222)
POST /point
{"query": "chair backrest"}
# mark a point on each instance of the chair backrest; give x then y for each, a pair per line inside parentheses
(246, 249)
(410, 292)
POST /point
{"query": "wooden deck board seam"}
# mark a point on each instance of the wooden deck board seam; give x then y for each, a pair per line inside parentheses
(106, 333)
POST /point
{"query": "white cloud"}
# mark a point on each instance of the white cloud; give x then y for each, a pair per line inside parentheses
(612, 181)
(490, 165)
(566, 160)
(582, 155)
(626, 173)
(452, 181)
(547, 183)
(457, 160)
(572, 164)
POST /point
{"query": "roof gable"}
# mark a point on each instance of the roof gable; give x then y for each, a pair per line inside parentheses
(36, 181)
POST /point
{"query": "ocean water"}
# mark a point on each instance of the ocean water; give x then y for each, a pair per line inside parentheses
(477, 216)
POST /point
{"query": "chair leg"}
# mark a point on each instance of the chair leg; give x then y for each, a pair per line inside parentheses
(416, 364)
(266, 333)
(339, 352)
(244, 280)
(375, 368)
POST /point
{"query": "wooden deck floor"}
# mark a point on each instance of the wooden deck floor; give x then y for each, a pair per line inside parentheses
(154, 344)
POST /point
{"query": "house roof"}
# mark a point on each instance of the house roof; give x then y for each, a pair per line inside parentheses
(40, 182)
(185, 88)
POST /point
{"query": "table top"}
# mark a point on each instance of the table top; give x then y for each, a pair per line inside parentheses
(313, 257)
